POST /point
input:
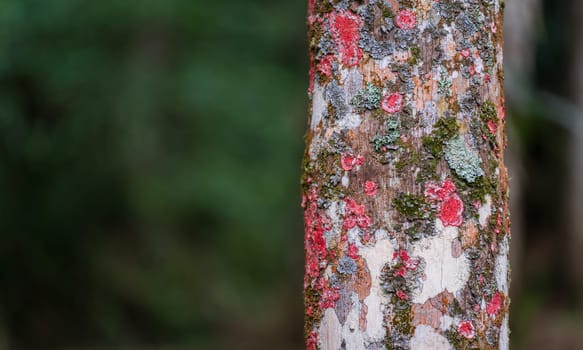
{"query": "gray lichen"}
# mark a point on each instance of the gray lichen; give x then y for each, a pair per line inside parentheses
(463, 160)
(444, 84)
(367, 98)
(466, 24)
(377, 48)
(335, 94)
(347, 266)
(385, 141)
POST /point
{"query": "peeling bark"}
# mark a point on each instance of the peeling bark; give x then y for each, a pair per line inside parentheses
(405, 189)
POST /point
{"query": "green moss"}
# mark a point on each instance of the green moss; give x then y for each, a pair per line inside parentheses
(385, 10)
(415, 55)
(323, 7)
(311, 299)
(443, 130)
(488, 112)
(476, 191)
(403, 316)
(407, 159)
(412, 207)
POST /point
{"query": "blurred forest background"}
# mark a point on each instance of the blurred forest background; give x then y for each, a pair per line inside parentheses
(150, 162)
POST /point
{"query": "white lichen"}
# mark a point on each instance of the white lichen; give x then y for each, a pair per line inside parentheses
(376, 257)
(426, 338)
(443, 271)
(485, 211)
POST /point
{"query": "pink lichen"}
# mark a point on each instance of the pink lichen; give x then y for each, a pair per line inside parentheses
(349, 161)
(408, 262)
(449, 204)
(412, 264)
(402, 272)
(498, 228)
(352, 251)
(494, 305)
(406, 20)
(370, 188)
(466, 329)
(345, 28)
(466, 53)
(316, 224)
(452, 209)
(492, 126)
(392, 103)
(355, 215)
(329, 298)
(325, 65)
(402, 295)
(312, 341)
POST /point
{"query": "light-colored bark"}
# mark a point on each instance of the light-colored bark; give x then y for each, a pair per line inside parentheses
(405, 191)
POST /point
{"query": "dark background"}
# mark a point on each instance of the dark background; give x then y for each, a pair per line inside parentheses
(150, 161)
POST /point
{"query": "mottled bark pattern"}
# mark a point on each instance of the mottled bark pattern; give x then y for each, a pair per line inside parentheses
(405, 191)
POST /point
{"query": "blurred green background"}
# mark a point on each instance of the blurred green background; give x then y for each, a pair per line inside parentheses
(149, 175)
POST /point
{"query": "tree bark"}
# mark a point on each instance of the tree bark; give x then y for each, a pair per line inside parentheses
(405, 191)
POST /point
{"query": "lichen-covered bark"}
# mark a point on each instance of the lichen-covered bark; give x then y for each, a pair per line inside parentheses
(404, 187)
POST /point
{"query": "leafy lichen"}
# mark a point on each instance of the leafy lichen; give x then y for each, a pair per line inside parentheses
(367, 98)
(463, 160)
(383, 142)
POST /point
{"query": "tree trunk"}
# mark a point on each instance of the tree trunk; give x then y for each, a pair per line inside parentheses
(405, 191)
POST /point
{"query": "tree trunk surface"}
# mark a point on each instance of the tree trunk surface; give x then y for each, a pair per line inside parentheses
(405, 192)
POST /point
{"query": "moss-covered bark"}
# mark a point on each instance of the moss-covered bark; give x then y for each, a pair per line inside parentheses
(405, 190)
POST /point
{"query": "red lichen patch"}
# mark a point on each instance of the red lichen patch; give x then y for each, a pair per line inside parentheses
(451, 212)
(349, 161)
(316, 224)
(401, 272)
(325, 65)
(312, 341)
(330, 296)
(355, 215)
(406, 20)
(370, 188)
(392, 103)
(402, 295)
(495, 304)
(498, 228)
(450, 205)
(352, 251)
(466, 329)
(401, 254)
(492, 126)
(466, 53)
(345, 28)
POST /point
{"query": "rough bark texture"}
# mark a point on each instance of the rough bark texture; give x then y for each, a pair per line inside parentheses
(405, 191)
